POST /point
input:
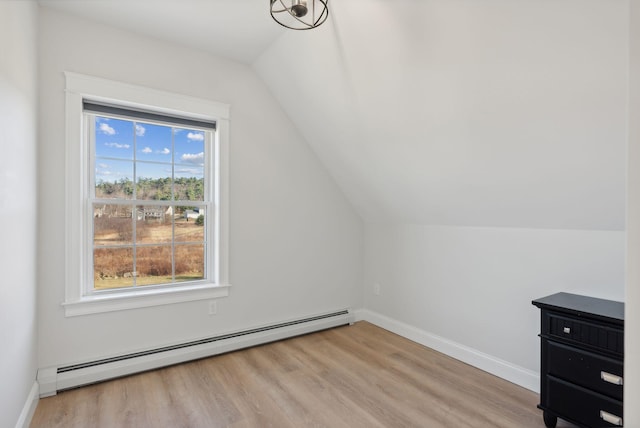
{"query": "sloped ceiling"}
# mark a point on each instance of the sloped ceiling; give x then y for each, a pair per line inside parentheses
(236, 29)
(476, 113)
(506, 113)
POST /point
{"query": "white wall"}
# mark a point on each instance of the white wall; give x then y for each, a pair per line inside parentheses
(474, 286)
(18, 206)
(632, 308)
(485, 145)
(295, 241)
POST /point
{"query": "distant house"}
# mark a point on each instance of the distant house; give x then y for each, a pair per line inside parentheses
(194, 213)
(151, 213)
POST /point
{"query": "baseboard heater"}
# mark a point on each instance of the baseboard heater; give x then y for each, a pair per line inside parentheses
(54, 379)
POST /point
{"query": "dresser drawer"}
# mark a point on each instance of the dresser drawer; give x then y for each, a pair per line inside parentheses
(588, 333)
(581, 405)
(581, 361)
(592, 371)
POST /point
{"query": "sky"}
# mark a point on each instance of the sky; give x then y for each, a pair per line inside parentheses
(121, 143)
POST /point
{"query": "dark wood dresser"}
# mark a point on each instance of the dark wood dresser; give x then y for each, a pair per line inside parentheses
(581, 365)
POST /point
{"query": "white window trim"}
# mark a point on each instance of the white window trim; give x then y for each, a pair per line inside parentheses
(80, 87)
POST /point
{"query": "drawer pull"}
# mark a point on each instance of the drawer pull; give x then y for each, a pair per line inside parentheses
(566, 330)
(612, 419)
(611, 378)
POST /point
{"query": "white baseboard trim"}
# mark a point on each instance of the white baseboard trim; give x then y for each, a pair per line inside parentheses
(520, 376)
(53, 379)
(29, 407)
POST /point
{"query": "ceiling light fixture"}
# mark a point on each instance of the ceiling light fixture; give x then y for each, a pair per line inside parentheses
(299, 14)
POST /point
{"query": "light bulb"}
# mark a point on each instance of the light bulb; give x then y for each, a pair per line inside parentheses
(299, 8)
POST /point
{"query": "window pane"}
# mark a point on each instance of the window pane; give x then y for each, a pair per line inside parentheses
(112, 225)
(153, 181)
(112, 268)
(189, 160)
(189, 147)
(114, 179)
(153, 142)
(153, 265)
(189, 183)
(154, 224)
(189, 262)
(189, 227)
(113, 138)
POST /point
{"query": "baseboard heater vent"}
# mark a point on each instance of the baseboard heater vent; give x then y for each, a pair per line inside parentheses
(54, 379)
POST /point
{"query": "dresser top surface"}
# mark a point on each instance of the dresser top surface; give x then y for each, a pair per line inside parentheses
(583, 306)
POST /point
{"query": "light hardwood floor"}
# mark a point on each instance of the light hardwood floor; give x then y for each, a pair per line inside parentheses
(354, 376)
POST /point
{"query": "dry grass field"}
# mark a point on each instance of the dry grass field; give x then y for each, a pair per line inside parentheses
(155, 257)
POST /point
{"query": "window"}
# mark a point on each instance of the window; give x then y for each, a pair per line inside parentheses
(149, 195)
(146, 197)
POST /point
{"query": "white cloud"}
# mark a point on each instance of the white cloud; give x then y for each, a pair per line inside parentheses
(189, 171)
(196, 158)
(103, 170)
(103, 166)
(164, 151)
(140, 130)
(195, 136)
(147, 150)
(106, 129)
(117, 145)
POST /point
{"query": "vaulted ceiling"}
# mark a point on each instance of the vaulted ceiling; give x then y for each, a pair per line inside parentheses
(237, 29)
(505, 113)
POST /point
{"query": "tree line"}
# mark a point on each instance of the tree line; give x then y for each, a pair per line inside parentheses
(158, 189)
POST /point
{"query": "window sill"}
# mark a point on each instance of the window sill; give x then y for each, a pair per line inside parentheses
(141, 299)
